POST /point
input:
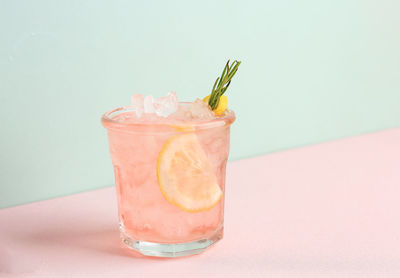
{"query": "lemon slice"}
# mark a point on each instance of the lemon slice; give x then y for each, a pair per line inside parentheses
(222, 104)
(183, 128)
(185, 176)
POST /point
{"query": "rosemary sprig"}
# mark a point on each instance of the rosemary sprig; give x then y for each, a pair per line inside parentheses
(222, 83)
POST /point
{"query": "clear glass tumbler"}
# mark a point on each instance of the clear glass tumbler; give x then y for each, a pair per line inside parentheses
(170, 181)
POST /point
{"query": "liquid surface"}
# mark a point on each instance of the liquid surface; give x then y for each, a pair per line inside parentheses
(195, 112)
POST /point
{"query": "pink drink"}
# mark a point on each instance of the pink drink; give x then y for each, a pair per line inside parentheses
(149, 222)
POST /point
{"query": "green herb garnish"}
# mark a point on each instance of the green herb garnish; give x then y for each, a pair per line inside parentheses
(222, 83)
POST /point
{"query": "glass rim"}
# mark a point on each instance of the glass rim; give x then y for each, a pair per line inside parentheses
(109, 123)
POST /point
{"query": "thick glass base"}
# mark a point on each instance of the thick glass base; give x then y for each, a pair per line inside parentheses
(170, 250)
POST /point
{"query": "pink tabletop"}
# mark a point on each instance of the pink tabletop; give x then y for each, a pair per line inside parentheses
(328, 210)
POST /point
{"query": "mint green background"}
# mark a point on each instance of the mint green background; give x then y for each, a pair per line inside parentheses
(312, 71)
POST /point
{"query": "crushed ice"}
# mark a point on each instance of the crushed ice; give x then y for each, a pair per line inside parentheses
(200, 110)
(162, 106)
(137, 103)
(168, 105)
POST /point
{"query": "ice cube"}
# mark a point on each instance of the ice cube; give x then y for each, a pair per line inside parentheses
(200, 110)
(165, 106)
(137, 103)
(162, 106)
(149, 104)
